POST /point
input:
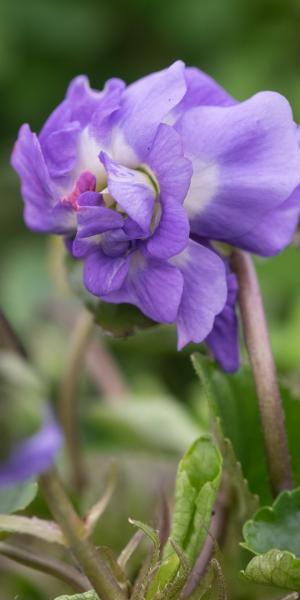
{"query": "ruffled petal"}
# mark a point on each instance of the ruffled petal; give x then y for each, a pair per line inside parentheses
(145, 104)
(131, 189)
(172, 170)
(104, 274)
(204, 292)
(223, 340)
(95, 218)
(246, 163)
(60, 151)
(275, 230)
(43, 210)
(172, 233)
(202, 90)
(84, 112)
(154, 286)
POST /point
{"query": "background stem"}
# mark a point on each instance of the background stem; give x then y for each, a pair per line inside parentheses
(8, 338)
(264, 372)
(76, 580)
(68, 413)
(93, 565)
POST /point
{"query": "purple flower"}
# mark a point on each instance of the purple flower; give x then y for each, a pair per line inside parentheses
(32, 456)
(135, 176)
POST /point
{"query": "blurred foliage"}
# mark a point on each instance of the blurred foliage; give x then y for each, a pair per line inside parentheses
(246, 46)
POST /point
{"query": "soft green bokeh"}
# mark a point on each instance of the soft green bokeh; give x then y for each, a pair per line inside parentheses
(247, 46)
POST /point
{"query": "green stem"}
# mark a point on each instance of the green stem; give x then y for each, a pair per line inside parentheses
(68, 413)
(62, 571)
(8, 338)
(264, 372)
(92, 564)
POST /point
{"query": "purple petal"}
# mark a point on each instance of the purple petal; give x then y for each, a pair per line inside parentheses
(172, 233)
(132, 190)
(155, 287)
(204, 292)
(202, 90)
(104, 274)
(60, 150)
(276, 228)
(85, 102)
(43, 209)
(60, 219)
(172, 170)
(223, 340)
(81, 102)
(33, 456)
(93, 220)
(82, 107)
(146, 102)
(246, 163)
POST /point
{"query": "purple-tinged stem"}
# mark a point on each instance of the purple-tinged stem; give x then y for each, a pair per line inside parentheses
(264, 372)
(67, 573)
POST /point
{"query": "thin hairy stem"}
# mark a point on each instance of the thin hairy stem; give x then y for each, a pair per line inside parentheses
(71, 576)
(68, 413)
(264, 372)
(91, 562)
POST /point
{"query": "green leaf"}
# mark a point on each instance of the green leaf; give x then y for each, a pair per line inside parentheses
(148, 570)
(44, 530)
(149, 532)
(275, 526)
(273, 534)
(276, 568)
(91, 595)
(232, 400)
(247, 502)
(150, 423)
(197, 483)
(17, 498)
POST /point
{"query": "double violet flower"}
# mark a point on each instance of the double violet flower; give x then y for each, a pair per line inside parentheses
(143, 180)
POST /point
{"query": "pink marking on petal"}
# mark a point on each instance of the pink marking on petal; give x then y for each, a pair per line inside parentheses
(86, 182)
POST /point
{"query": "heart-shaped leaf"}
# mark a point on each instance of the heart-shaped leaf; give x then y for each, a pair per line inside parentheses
(275, 526)
(273, 534)
(276, 568)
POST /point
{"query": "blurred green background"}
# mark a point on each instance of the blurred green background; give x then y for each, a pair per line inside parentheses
(247, 46)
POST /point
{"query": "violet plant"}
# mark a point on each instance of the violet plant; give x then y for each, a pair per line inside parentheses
(160, 191)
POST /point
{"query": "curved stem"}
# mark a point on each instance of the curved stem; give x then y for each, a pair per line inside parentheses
(68, 413)
(60, 570)
(91, 562)
(264, 372)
